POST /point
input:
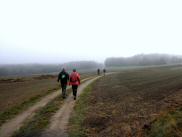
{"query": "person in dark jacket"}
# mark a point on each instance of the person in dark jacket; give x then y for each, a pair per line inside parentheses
(63, 78)
(98, 71)
(104, 71)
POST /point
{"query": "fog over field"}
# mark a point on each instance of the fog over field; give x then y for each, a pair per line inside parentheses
(86, 68)
(55, 32)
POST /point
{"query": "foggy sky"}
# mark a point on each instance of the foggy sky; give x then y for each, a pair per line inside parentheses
(54, 31)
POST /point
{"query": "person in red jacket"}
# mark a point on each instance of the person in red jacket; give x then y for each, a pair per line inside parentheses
(75, 82)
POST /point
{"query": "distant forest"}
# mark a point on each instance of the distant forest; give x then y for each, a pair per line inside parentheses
(88, 66)
(30, 69)
(143, 60)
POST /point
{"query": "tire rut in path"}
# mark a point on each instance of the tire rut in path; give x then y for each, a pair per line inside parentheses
(11, 126)
(59, 121)
(14, 124)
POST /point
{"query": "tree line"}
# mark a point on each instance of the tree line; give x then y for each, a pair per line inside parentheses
(137, 60)
(143, 60)
(30, 69)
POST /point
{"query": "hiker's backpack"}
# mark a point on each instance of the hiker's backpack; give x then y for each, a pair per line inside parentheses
(74, 77)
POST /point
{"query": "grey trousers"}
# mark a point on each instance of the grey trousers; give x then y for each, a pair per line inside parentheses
(63, 90)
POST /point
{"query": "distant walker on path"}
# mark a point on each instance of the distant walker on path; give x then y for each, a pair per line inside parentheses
(75, 82)
(98, 71)
(104, 71)
(63, 78)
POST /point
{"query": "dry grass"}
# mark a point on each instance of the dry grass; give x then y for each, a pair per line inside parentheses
(168, 124)
(75, 123)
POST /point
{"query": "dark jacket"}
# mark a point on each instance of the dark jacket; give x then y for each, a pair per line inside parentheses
(63, 77)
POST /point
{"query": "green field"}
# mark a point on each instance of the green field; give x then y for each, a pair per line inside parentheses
(142, 102)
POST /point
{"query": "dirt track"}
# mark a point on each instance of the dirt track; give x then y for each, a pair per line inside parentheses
(14, 124)
(60, 120)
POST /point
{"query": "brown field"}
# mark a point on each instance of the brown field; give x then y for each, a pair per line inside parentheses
(17, 90)
(133, 103)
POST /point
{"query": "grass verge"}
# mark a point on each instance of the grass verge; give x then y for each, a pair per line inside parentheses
(12, 112)
(167, 125)
(78, 116)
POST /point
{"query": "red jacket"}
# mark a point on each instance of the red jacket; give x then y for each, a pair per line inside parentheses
(74, 79)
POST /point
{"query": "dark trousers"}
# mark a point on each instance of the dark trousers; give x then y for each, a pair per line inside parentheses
(63, 86)
(74, 88)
